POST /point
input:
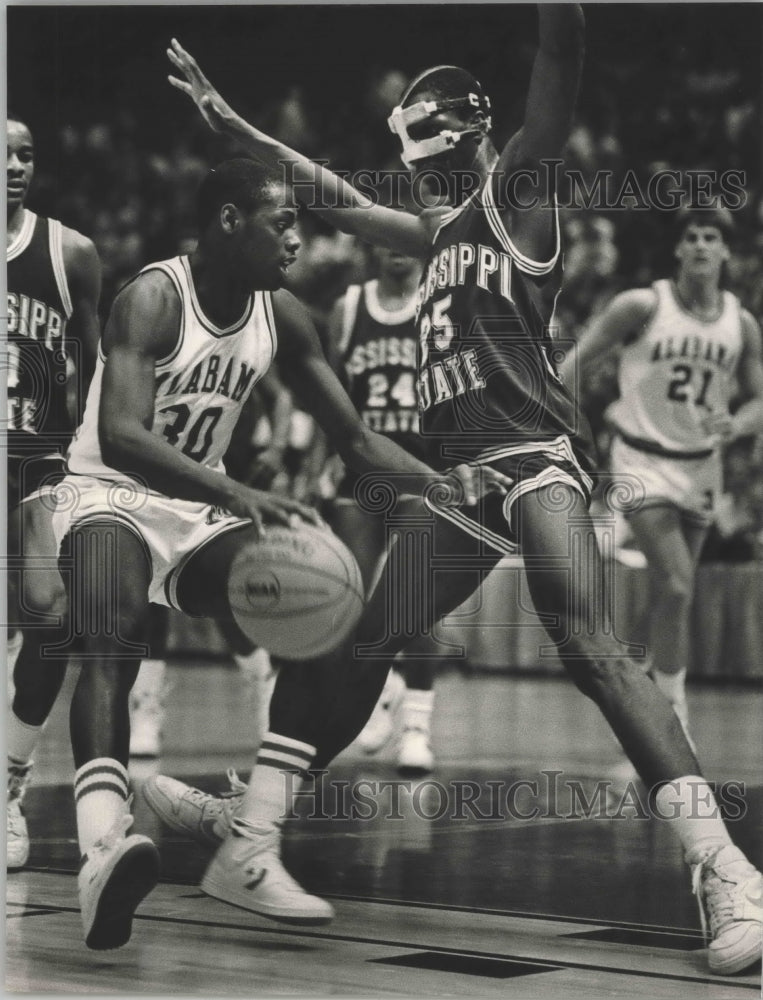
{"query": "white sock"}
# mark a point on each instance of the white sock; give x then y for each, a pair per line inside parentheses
(689, 806)
(417, 710)
(13, 646)
(22, 739)
(269, 796)
(673, 686)
(150, 680)
(260, 677)
(101, 789)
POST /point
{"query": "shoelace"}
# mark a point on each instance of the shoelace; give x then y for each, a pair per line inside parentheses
(719, 897)
(237, 786)
(18, 778)
(110, 839)
(15, 823)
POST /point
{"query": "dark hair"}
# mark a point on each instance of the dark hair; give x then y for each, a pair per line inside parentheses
(244, 183)
(443, 83)
(716, 215)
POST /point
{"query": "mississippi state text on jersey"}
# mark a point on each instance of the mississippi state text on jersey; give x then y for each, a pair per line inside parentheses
(487, 376)
(379, 352)
(39, 305)
(201, 386)
(680, 369)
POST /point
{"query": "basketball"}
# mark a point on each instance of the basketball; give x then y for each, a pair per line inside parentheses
(297, 592)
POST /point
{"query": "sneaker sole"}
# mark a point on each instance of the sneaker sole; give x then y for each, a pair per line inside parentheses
(414, 770)
(211, 888)
(157, 802)
(738, 962)
(134, 876)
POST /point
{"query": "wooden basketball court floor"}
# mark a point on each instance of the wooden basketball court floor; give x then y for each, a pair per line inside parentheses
(429, 903)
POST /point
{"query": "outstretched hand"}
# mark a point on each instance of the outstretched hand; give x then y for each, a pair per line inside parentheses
(217, 113)
(467, 484)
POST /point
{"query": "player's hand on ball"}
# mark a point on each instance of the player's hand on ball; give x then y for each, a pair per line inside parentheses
(217, 113)
(467, 484)
(266, 508)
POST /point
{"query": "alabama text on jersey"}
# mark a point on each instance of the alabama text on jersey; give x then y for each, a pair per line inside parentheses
(201, 386)
(679, 370)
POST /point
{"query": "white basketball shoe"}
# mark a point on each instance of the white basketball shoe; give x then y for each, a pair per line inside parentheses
(17, 834)
(730, 894)
(379, 728)
(415, 755)
(205, 818)
(247, 872)
(115, 875)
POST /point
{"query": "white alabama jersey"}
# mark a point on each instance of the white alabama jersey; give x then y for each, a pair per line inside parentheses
(676, 373)
(200, 388)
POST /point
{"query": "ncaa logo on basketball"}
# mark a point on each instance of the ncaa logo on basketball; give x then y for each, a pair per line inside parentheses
(262, 593)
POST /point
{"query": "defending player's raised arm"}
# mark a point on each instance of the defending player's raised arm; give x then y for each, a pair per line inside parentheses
(623, 319)
(317, 388)
(527, 177)
(554, 83)
(336, 201)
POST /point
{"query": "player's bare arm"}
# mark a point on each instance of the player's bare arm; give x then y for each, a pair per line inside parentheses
(142, 329)
(336, 201)
(363, 450)
(748, 419)
(83, 275)
(623, 320)
(549, 114)
(268, 463)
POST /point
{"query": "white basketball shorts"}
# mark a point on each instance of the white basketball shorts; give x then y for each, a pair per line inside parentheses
(170, 530)
(693, 485)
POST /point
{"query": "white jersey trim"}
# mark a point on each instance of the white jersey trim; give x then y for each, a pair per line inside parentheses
(24, 236)
(523, 262)
(349, 315)
(56, 246)
(270, 319)
(387, 317)
(172, 275)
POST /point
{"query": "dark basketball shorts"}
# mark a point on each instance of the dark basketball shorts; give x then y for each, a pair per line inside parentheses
(531, 466)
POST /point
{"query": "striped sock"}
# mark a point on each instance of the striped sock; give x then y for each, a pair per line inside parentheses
(101, 789)
(270, 794)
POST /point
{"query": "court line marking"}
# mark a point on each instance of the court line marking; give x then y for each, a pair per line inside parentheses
(446, 907)
(557, 965)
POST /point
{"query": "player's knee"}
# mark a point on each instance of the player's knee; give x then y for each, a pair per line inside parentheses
(43, 595)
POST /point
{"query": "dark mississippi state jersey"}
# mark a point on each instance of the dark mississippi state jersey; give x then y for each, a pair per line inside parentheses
(39, 305)
(487, 376)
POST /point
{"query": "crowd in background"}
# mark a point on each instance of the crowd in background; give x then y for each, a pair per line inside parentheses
(133, 193)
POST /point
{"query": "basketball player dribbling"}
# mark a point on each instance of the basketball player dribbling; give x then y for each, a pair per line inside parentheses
(686, 346)
(54, 281)
(489, 393)
(373, 338)
(147, 513)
